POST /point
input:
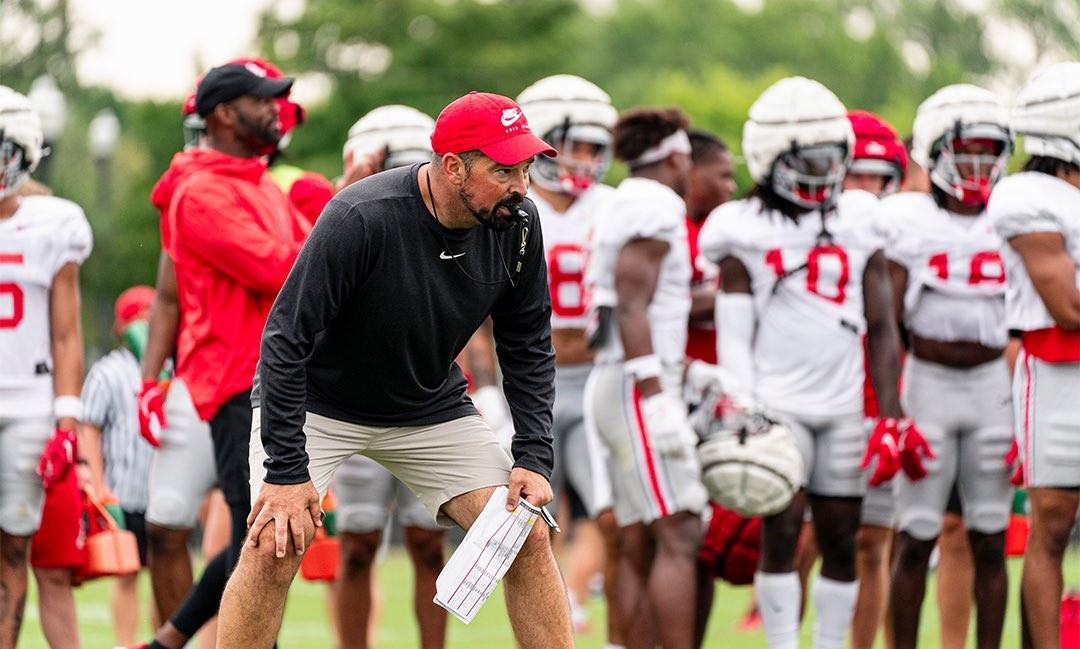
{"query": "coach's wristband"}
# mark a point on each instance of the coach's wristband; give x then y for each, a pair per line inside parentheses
(68, 406)
(643, 367)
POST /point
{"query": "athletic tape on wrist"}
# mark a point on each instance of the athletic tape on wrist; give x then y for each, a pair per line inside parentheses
(643, 367)
(68, 406)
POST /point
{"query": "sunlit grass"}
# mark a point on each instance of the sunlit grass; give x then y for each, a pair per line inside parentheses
(306, 624)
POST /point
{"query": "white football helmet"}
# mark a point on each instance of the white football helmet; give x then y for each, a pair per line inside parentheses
(564, 109)
(961, 112)
(798, 141)
(401, 132)
(753, 467)
(21, 140)
(1047, 113)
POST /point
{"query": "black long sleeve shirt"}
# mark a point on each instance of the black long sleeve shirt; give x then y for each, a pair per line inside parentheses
(378, 306)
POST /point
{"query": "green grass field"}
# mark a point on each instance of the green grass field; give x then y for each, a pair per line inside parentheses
(306, 625)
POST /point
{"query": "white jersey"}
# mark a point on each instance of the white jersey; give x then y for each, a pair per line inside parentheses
(566, 245)
(43, 235)
(641, 208)
(1033, 202)
(808, 298)
(956, 277)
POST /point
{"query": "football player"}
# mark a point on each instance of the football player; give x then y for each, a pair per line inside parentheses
(43, 241)
(949, 290)
(878, 165)
(1037, 213)
(576, 117)
(803, 278)
(639, 278)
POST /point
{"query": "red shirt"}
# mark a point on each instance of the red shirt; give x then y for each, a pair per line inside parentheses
(701, 337)
(233, 236)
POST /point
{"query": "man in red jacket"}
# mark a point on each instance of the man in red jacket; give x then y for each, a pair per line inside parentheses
(233, 239)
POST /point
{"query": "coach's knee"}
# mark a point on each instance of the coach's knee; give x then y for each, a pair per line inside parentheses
(273, 571)
(537, 545)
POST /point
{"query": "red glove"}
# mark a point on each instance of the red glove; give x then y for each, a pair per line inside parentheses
(914, 449)
(1012, 460)
(883, 445)
(151, 412)
(58, 457)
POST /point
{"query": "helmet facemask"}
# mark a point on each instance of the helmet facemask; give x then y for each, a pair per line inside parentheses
(14, 168)
(573, 172)
(810, 176)
(969, 177)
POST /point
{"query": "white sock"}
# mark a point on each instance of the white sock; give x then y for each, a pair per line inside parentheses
(834, 606)
(778, 596)
(614, 646)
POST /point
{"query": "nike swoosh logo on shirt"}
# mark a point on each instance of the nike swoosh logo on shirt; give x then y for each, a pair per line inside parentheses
(446, 255)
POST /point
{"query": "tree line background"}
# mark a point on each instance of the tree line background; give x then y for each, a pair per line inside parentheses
(711, 57)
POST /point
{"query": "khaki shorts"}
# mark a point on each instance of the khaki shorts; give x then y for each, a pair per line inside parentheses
(437, 462)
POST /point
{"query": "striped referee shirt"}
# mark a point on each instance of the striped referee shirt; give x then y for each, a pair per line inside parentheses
(110, 403)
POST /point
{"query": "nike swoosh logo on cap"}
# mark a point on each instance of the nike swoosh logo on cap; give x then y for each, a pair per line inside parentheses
(510, 115)
(446, 255)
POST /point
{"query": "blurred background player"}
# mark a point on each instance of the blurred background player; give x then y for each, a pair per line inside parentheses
(182, 472)
(385, 138)
(949, 290)
(574, 116)
(878, 166)
(639, 275)
(232, 236)
(118, 456)
(1037, 213)
(711, 183)
(803, 277)
(43, 241)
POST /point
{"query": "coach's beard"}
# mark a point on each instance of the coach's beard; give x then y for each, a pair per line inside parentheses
(499, 218)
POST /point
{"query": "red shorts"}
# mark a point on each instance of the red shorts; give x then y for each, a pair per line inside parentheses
(59, 541)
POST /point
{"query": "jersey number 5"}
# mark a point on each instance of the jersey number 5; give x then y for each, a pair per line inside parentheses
(827, 271)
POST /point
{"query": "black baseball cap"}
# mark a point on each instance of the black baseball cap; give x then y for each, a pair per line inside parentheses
(227, 82)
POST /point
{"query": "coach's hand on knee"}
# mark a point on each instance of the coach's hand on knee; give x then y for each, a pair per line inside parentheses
(286, 506)
(529, 485)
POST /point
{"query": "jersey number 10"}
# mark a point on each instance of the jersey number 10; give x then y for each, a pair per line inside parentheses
(833, 258)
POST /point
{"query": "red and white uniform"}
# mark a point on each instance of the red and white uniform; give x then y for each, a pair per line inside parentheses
(566, 249)
(1047, 378)
(1036, 202)
(580, 460)
(956, 277)
(808, 302)
(646, 484)
(646, 209)
(808, 346)
(43, 235)
(955, 293)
